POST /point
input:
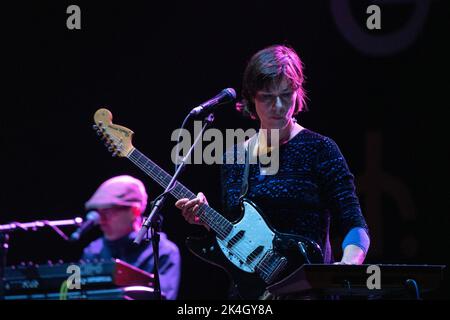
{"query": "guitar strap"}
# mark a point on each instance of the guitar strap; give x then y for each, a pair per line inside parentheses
(245, 181)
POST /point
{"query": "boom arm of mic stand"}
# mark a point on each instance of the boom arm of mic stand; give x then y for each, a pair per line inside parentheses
(158, 204)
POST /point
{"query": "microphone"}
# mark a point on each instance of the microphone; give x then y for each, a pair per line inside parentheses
(227, 95)
(92, 219)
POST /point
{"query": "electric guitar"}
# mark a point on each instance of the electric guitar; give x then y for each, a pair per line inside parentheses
(252, 253)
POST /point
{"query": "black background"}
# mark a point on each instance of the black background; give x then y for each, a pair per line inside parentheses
(150, 63)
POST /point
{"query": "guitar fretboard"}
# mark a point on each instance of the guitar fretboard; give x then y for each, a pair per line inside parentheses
(211, 217)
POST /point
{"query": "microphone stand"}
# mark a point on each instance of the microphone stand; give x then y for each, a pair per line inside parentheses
(4, 237)
(12, 226)
(153, 222)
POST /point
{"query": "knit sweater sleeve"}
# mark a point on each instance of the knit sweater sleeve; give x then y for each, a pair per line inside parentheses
(337, 188)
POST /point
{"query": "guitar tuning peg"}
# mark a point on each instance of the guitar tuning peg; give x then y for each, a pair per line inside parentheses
(110, 148)
(99, 133)
(95, 127)
(114, 154)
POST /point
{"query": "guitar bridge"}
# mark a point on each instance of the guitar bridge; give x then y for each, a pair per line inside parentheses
(271, 266)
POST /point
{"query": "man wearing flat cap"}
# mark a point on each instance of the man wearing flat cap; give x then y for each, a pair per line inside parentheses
(120, 201)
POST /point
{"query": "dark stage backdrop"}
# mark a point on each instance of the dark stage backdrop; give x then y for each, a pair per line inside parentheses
(380, 94)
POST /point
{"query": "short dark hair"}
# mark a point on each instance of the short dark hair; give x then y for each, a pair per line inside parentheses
(269, 66)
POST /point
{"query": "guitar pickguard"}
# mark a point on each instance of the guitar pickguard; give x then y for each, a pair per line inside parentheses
(249, 240)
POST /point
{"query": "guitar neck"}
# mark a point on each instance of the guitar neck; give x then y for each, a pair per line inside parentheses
(208, 215)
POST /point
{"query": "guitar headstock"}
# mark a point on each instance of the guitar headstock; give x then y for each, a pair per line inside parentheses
(117, 138)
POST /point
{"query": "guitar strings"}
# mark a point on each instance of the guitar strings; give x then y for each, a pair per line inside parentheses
(134, 158)
(162, 181)
(137, 160)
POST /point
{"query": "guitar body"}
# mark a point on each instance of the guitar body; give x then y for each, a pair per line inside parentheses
(254, 255)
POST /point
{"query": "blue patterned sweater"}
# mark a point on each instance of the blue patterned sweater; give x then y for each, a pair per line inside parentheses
(312, 189)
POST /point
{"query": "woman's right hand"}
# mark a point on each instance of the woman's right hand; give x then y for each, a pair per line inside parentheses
(189, 209)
